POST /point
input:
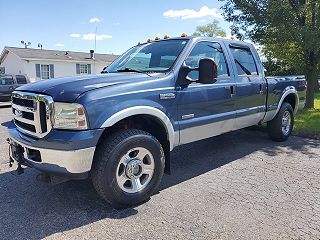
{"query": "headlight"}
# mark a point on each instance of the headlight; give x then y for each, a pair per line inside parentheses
(69, 116)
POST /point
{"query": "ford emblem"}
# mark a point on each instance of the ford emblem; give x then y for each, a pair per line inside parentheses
(18, 113)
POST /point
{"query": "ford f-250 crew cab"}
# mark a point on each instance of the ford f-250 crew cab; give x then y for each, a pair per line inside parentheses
(119, 127)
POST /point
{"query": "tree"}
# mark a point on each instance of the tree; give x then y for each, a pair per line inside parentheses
(290, 29)
(210, 30)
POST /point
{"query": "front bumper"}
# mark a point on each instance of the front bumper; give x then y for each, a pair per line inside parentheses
(61, 153)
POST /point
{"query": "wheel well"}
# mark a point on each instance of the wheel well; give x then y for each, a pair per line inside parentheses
(146, 123)
(291, 99)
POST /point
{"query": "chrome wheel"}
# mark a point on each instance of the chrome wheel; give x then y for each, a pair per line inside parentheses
(286, 123)
(135, 170)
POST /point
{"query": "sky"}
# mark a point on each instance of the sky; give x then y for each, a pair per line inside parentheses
(71, 25)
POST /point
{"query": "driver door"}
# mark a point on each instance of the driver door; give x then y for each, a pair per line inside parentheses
(206, 110)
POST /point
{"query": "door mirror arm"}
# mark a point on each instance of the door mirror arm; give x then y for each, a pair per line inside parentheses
(208, 72)
(183, 75)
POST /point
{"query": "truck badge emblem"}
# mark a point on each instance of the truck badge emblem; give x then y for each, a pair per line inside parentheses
(18, 113)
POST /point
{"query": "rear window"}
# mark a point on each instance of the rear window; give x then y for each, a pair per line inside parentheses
(6, 80)
(21, 79)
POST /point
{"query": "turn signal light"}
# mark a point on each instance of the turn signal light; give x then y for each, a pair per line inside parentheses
(157, 39)
(184, 35)
(149, 40)
(166, 36)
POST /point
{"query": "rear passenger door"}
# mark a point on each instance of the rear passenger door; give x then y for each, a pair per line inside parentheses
(206, 110)
(250, 92)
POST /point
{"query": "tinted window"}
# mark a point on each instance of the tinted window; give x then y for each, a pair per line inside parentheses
(244, 61)
(21, 79)
(6, 80)
(207, 50)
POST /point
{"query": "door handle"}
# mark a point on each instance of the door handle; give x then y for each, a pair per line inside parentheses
(261, 89)
(231, 89)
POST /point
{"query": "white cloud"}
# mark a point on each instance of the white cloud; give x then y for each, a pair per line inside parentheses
(75, 35)
(191, 13)
(91, 36)
(94, 20)
(59, 45)
(116, 24)
(203, 20)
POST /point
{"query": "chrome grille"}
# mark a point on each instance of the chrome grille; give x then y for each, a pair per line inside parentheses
(32, 113)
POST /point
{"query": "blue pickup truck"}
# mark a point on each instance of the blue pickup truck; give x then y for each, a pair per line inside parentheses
(119, 127)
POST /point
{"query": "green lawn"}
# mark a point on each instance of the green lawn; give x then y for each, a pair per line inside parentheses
(307, 122)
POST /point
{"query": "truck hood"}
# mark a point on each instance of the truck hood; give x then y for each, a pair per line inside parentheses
(68, 89)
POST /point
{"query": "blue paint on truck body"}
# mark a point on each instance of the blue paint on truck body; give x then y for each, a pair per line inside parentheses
(195, 111)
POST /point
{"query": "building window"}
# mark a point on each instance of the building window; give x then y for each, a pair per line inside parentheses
(84, 69)
(45, 71)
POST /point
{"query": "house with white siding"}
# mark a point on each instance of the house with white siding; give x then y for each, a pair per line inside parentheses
(39, 64)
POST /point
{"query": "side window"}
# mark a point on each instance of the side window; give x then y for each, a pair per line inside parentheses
(207, 50)
(244, 61)
(6, 80)
(21, 79)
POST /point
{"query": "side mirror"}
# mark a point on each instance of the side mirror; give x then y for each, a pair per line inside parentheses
(208, 71)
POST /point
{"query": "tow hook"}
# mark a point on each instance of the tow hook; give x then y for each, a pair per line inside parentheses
(10, 162)
(20, 169)
(10, 159)
(20, 159)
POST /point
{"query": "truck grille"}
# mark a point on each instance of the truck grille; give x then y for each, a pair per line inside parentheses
(32, 113)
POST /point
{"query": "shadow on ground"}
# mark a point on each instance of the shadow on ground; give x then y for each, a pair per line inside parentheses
(37, 211)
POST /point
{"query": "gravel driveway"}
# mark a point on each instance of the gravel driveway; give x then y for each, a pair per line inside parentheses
(239, 185)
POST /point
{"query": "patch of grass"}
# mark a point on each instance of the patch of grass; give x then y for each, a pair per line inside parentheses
(307, 122)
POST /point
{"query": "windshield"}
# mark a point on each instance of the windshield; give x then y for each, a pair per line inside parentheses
(150, 57)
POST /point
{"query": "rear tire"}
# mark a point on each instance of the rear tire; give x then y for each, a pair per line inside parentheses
(128, 167)
(280, 127)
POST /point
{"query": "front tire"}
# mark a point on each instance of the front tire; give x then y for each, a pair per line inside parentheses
(128, 167)
(280, 128)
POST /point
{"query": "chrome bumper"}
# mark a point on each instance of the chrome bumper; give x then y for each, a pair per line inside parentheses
(58, 162)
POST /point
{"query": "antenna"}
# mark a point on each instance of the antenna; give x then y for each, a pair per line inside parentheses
(40, 45)
(26, 44)
(95, 50)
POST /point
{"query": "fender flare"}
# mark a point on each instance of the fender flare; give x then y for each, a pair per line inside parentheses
(287, 91)
(145, 110)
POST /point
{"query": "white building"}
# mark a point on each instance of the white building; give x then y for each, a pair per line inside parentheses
(40, 64)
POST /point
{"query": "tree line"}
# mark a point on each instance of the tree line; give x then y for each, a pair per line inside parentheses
(287, 30)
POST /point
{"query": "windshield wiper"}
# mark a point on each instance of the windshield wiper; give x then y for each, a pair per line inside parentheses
(132, 70)
(129, 70)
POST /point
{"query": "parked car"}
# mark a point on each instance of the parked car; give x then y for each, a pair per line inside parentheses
(8, 83)
(119, 127)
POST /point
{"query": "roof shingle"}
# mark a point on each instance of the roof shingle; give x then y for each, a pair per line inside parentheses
(31, 53)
